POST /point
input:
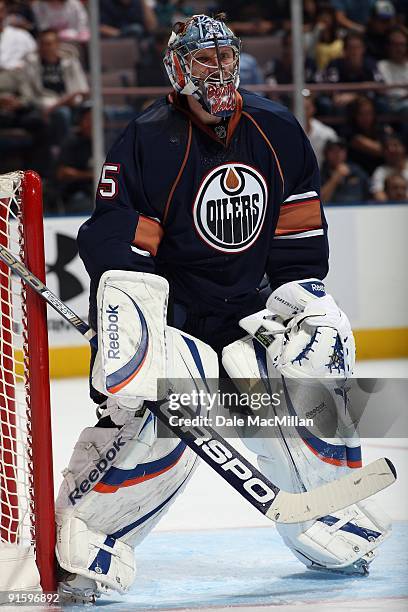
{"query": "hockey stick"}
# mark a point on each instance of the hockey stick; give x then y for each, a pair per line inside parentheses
(276, 504)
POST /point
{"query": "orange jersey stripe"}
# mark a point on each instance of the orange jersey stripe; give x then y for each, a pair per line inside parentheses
(299, 217)
(148, 235)
(180, 172)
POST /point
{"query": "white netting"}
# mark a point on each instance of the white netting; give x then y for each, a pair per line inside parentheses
(16, 503)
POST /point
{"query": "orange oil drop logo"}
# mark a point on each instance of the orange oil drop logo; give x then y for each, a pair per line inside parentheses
(232, 181)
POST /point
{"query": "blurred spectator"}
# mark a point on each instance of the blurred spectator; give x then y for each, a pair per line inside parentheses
(396, 188)
(168, 12)
(319, 24)
(280, 70)
(68, 17)
(21, 15)
(58, 80)
(401, 8)
(353, 14)
(318, 133)
(15, 43)
(310, 26)
(126, 18)
(19, 110)
(329, 45)
(353, 67)
(395, 69)
(382, 19)
(74, 167)
(365, 134)
(255, 17)
(342, 181)
(396, 161)
(250, 72)
(150, 70)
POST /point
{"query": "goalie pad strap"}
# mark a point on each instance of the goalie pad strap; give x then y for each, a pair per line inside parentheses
(338, 541)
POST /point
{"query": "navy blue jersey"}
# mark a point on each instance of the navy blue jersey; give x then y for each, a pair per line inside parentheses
(214, 213)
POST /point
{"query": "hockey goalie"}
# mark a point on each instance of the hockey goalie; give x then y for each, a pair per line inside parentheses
(207, 193)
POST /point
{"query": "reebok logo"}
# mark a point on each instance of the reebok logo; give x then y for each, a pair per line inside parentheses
(314, 288)
(101, 466)
(112, 328)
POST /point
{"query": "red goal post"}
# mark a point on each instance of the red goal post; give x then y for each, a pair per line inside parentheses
(27, 527)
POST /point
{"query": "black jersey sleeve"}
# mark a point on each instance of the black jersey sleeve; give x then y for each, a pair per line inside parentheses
(299, 248)
(124, 230)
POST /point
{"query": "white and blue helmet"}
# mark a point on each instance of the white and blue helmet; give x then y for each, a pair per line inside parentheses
(217, 91)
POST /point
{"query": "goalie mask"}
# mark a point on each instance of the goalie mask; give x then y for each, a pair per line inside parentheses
(202, 60)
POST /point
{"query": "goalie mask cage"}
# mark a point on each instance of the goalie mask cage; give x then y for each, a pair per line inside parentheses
(27, 528)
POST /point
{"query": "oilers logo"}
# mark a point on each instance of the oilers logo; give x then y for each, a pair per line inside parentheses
(230, 206)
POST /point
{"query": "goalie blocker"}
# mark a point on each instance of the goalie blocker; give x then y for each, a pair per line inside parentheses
(131, 355)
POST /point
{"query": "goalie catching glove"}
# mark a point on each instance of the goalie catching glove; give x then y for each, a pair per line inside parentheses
(309, 335)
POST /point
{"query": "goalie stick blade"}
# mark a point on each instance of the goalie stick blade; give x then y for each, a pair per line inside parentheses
(333, 496)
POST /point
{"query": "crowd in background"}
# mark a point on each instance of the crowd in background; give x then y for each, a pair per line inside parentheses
(360, 137)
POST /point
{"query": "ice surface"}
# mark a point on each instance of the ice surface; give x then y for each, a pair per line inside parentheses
(213, 550)
(251, 566)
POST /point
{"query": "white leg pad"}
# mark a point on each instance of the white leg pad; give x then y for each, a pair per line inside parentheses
(90, 553)
(101, 522)
(332, 542)
(95, 452)
(119, 483)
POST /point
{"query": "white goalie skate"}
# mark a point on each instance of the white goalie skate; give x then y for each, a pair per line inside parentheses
(75, 589)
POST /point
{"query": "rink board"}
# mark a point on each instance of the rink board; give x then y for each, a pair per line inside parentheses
(251, 568)
(368, 251)
(371, 344)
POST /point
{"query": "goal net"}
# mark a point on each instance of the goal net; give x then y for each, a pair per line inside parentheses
(27, 530)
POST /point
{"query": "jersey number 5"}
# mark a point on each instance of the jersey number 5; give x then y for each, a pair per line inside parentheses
(108, 184)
